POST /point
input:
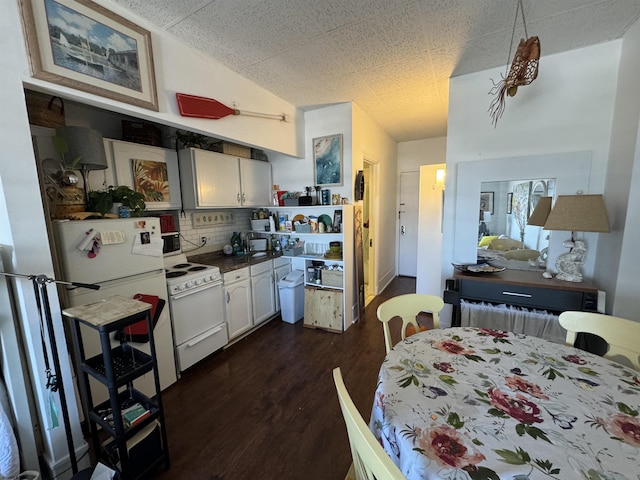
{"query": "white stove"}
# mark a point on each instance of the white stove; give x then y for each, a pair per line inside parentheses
(197, 309)
(183, 276)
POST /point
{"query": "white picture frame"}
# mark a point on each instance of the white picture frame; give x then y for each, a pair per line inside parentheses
(123, 156)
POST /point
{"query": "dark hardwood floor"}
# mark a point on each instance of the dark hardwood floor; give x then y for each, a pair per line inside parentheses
(266, 408)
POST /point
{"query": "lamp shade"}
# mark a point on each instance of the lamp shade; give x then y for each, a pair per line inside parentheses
(578, 213)
(541, 212)
(85, 143)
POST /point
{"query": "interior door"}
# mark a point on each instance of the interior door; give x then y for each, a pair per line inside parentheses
(408, 225)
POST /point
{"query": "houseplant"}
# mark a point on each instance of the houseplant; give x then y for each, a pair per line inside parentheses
(129, 198)
(102, 201)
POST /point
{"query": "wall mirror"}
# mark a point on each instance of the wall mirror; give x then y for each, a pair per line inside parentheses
(569, 172)
(513, 202)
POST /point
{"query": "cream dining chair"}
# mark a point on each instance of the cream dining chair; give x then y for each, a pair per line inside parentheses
(622, 335)
(370, 461)
(408, 307)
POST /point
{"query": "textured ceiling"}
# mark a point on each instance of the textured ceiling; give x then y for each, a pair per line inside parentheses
(393, 58)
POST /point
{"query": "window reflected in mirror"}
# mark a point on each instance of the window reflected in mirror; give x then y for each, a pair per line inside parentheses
(503, 233)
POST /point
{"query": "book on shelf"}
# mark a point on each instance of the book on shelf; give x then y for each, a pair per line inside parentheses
(134, 414)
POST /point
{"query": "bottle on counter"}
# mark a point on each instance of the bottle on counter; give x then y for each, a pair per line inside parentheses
(236, 244)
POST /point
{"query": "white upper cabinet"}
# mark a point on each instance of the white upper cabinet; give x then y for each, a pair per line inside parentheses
(214, 180)
(152, 170)
(255, 178)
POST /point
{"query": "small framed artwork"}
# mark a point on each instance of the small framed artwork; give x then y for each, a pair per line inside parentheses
(152, 171)
(337, 220)
(151, 179)
(486, 202)
(327, 160)
(509, 203)
(82, 45)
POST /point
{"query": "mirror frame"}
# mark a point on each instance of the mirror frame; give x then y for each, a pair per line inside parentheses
(571, 170)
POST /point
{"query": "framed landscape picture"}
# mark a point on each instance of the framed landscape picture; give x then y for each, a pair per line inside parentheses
(327, 160)
(82, 45)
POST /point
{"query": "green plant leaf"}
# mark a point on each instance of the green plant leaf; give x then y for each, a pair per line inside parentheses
(536, 433)
(481, 473)
(511, 457)
(454, 420)
(448, 379)
(624, 408)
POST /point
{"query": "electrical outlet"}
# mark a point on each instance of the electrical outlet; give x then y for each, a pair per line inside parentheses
(203, 240)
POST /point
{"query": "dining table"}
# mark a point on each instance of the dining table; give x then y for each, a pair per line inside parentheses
(477, 403)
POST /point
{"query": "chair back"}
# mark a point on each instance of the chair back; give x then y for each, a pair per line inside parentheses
(622, 335)
(408, 307)
(370, 461)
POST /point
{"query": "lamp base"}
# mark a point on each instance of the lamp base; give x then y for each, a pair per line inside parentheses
(569, 264)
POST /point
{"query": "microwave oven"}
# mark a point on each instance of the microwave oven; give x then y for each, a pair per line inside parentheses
(171, 244)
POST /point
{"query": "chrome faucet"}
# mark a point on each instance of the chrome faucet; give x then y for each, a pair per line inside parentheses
(245, 238)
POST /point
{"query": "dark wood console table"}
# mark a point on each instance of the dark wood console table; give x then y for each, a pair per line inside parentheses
(522, 288)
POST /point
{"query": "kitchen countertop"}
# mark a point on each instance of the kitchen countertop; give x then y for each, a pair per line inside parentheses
(230, 263)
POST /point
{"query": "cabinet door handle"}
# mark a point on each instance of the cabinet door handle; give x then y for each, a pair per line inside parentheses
(228, 297)
(238, 197)
(244, 198)
(515, 294)
(403, 230)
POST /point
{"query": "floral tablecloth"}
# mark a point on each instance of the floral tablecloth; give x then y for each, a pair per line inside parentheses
(469, 403)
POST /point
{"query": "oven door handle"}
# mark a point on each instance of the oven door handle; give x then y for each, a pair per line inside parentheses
(194, 290)
(204, 336)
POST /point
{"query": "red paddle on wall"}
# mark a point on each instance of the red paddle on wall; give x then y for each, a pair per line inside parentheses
(202, 107)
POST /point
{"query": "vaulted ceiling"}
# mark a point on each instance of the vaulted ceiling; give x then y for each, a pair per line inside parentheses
(393, 58)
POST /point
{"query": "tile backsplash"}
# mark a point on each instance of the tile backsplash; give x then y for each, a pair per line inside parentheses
(217, 235)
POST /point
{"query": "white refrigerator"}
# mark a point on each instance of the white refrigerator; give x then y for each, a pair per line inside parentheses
(124, 257)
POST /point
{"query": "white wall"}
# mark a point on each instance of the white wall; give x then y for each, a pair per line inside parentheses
(429, 231)
(569, 108)
(363, 138)
(372, 143)
(294, 174)
(619, 257)
(429, 151)
(414, 156)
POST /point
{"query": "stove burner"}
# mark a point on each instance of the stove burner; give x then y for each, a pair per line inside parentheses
(197, 268)
(176, 274)
(182, 265)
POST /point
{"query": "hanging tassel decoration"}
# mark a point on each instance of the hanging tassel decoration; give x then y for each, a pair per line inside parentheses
(523, 71)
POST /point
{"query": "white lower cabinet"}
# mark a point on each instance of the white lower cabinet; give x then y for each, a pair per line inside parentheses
(238, 303)
(263, 292)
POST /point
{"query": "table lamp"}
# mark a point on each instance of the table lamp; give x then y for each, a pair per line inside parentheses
(574, 213)
(87, 144)
(541, 212)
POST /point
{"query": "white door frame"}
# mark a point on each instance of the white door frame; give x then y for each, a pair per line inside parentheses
(371, 273)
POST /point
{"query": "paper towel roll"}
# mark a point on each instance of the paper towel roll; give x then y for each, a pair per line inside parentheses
(87, 241)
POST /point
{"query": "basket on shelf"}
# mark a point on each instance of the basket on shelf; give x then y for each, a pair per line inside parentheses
(141, 132)
(44, 110)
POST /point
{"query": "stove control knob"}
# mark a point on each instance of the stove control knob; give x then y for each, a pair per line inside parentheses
(206, 279)
(180, 287)
(198, 281)
(189, 284)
